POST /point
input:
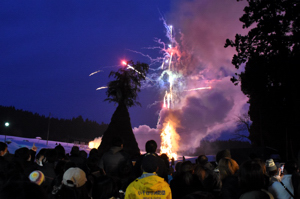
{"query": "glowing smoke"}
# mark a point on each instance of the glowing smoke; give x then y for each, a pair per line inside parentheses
(204, 62)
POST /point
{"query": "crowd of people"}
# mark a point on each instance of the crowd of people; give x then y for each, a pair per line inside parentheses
(53, 174)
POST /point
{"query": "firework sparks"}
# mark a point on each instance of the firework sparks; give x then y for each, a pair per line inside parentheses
(95, 72)
(102, 87)
(200, 88)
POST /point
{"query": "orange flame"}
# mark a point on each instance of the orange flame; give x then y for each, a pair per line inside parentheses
(169, 140)
(96, 143)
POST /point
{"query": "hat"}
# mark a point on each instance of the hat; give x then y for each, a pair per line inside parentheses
(150, 163)
(270, 165)
(37, 177)
(74, 176)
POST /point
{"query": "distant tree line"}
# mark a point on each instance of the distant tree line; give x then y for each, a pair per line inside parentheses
(208, 147)
(31, 125)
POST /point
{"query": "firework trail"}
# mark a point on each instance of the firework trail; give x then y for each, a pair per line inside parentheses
(172, 79)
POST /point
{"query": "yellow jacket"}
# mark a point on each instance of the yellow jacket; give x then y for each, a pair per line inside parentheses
(150, 187)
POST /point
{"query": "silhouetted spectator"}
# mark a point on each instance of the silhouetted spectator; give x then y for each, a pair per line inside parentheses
(277, 188)
(115, 158)
(223, 154)
(23, 156)
(186, 182)
(211, 180)
(73, 185)
(253, 181)
(76, 158)
(105, 187)
(151, 147)
(5, 153)
(272, 172)
(61, 153)
(48, 167)
(228, 174)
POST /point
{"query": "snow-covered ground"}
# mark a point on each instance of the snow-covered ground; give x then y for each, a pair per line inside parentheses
(18, 142)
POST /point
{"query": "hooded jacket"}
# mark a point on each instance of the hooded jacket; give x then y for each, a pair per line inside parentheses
(150, 187)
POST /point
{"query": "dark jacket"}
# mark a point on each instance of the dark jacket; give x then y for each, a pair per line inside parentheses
(113, 160)
(230, 187)
(180, 189)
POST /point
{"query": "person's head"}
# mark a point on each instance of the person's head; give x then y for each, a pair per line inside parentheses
(83, 154)
(202, 159)
(227, 167)
(223, 154)
(61, 153)
(165, 159)
(177, 166)
(94, 153)
(3, 148)
(150, 163)
(117, 141)
(151, 146)
(22, 154)
(270, 166)
(75, 151)
(291, 167)
(51, 155)
(186, 172)
(251, 176)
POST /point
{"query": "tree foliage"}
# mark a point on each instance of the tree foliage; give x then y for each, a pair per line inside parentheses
(271, 54)
(31, 125)
(127, 84)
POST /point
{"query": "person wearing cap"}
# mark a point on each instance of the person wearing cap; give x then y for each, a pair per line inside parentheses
(73, 185)
(272, 171)
(284, 188)
(37, 177)
(149, 184)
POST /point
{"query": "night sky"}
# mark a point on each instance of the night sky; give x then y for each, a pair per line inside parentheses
(49, 48)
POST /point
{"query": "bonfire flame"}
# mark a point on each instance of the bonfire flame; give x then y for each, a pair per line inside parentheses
(96, 143)
(169, 140)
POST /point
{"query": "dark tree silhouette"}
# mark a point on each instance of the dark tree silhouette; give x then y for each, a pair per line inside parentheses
(243, 127)
(127, 84)
(31, 125)
(124, 91)
(271, 54)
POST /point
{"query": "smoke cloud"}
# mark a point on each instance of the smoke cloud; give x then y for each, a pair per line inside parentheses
(204, 26)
